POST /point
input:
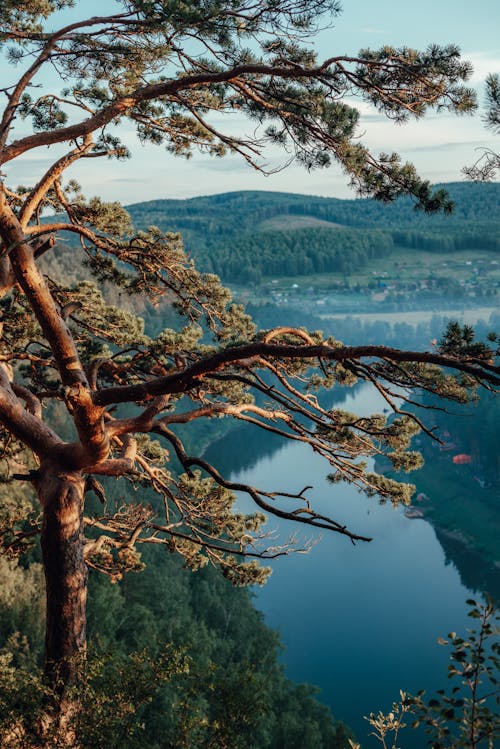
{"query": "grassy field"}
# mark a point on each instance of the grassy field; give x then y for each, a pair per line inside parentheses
(292, 222)
(411, 265)
(469, 316)
(404, 265)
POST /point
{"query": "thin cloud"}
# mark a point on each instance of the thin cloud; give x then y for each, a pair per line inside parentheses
(127, 180)
(447, 146)
(368, 113)
(373, 118)
(24, 160)
(225, 165)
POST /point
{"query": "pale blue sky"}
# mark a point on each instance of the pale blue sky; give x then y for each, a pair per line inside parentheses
(439, 145)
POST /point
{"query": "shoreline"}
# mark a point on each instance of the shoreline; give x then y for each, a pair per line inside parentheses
(426, 510)
(414, 317)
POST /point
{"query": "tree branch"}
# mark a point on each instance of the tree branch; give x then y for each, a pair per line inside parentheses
(27, 77)
(154, 91)
(88, 418)
(25, 426)
(185, 379)
(304, 515)
(46, 182)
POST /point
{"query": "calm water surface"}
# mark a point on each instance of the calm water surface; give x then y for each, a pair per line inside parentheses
(361, 622)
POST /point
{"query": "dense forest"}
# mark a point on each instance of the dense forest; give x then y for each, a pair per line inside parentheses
(247, 236)
(179, 659)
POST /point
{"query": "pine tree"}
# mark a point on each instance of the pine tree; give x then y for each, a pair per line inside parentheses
(69, 358)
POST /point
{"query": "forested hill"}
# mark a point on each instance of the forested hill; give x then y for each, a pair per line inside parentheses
(243, 236)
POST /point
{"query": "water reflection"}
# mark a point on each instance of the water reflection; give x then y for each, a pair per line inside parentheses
(360, 621)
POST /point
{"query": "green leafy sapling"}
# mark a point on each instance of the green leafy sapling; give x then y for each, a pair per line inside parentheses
(464, 716)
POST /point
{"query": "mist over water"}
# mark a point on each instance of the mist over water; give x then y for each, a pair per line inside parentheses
(361, 622)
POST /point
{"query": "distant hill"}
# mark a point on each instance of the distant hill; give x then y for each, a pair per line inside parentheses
(244, 236)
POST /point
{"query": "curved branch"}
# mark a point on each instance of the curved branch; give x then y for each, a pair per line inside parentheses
(283, 330)
(121, 106)
(100, 241)
(48, 179)
(24, 423)
(118, 466)
(185, 379)
(23, 83)
(304, 515)
(33, 404)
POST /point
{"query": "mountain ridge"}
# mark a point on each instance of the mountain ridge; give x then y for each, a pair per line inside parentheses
(244, 236)
(461, 193)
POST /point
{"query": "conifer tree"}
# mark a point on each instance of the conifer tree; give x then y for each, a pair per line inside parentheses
(167, 67)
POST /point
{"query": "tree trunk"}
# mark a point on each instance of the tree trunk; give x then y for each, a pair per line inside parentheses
(61, 495)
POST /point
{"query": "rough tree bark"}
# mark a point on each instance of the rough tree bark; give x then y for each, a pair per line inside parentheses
(61, 494)
(58, 481)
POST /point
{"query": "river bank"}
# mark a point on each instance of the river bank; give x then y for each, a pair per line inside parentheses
(415, 317)
(465, 516)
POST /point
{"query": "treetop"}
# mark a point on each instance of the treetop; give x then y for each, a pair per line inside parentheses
(172, 69)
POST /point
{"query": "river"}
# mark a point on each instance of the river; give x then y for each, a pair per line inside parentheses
(360, 622)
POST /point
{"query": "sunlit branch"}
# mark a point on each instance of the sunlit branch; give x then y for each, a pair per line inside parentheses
(182, 381)
(125, 104)
(47, 181)
(306, 515)
(23, 424)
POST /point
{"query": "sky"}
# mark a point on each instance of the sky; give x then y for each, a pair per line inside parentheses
(439, 145)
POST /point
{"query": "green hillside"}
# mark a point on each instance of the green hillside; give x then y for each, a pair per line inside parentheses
(245, 236)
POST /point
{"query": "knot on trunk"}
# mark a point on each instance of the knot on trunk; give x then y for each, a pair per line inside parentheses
(89, 421)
